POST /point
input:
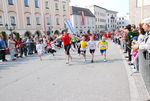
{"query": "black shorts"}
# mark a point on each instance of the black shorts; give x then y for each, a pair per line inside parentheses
(92, 50)
(83, 51)
(67, 49)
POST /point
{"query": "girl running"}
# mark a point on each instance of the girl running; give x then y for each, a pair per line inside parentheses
(103, 45)
(92, 47)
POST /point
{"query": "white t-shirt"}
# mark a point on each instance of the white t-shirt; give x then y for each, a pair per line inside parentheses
(40, 48)
(92, 44)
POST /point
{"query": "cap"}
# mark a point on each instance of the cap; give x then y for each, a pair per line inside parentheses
(135, 38)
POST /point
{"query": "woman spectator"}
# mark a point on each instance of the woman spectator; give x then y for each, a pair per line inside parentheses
(11, 46)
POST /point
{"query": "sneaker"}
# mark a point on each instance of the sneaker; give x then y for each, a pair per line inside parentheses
(67, 62)
(92, 61)
(105, 60)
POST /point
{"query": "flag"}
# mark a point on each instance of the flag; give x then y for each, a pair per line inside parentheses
(69, 26)
(82, 14)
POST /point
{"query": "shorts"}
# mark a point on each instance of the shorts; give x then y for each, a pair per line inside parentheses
(67, 49)
(92, 50)
(83, 50)
(103, 51)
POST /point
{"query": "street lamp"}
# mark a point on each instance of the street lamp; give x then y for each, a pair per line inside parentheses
(11, 28)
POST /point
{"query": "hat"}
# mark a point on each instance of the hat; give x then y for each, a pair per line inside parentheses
(128, 27)
(135, 38)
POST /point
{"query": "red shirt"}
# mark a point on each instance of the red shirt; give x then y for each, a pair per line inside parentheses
(66, 39)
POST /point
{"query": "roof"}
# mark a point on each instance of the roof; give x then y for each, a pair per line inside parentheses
(112, 11)
(100, 7)
(106, 9)
(78, 11)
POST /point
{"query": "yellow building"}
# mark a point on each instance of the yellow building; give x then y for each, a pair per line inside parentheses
(34, 16)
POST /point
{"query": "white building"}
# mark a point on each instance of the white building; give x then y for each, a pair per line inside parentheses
(111, 22)
(76, 19)
(106, 20)
(122, 22)
(100, 17)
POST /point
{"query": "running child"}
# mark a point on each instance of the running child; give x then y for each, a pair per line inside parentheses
(92, 47)
(103, 45)
(40, 49)
(83, 44)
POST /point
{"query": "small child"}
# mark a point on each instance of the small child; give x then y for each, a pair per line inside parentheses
(92, 46)
(134, 53)
(83, 44)
(103, 45)
(40, 49)
(50, 47)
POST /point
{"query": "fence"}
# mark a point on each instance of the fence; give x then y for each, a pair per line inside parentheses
(144, 65)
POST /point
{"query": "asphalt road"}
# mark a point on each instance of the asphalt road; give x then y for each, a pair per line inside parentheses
(30, 79)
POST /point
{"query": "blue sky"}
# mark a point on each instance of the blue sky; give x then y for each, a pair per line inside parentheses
(121, 6)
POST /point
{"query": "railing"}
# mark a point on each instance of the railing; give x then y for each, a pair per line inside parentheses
(144, 66)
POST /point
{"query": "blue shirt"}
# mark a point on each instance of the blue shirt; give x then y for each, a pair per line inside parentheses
(2, 44)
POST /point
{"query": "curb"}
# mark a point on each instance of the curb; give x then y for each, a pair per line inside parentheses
(138, 91)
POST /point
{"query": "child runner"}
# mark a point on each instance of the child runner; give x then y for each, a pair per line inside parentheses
(103, 45)
(92, 46)
(83, 44)
(50, 47)
(40, 49)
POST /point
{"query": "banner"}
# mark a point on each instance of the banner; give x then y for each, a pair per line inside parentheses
(69, 26)
(83, 22)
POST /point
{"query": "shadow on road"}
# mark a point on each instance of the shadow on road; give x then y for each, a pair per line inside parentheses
(11, 64)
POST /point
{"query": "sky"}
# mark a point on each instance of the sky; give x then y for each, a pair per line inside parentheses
(121, 6)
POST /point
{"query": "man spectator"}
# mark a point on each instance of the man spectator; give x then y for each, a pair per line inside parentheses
(2, 49)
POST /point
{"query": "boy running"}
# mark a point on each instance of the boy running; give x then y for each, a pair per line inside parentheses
(103, 45)
(92, 46)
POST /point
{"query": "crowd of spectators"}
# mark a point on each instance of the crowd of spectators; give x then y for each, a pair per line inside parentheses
(132, 39)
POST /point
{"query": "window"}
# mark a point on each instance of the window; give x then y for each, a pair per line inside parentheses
(46, 5)
(38, 20)
(64, 7)
(122, 22)
(26, 3)
(108, 26)
(56, 6)
(36, 3)
(57, 21)
(12, 20)
(28, 21)
(48, 20)
(1, 20)
(10, 2)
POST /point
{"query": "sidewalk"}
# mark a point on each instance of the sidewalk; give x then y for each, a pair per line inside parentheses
(138, 91)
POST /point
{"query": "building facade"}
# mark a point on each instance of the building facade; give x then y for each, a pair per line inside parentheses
(111, 23)
(79, 26)
(34, 16)
(137, 12)
(106, 20)
(122, 22)
(100, 17)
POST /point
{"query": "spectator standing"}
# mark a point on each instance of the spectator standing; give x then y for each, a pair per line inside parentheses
(2, 49)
